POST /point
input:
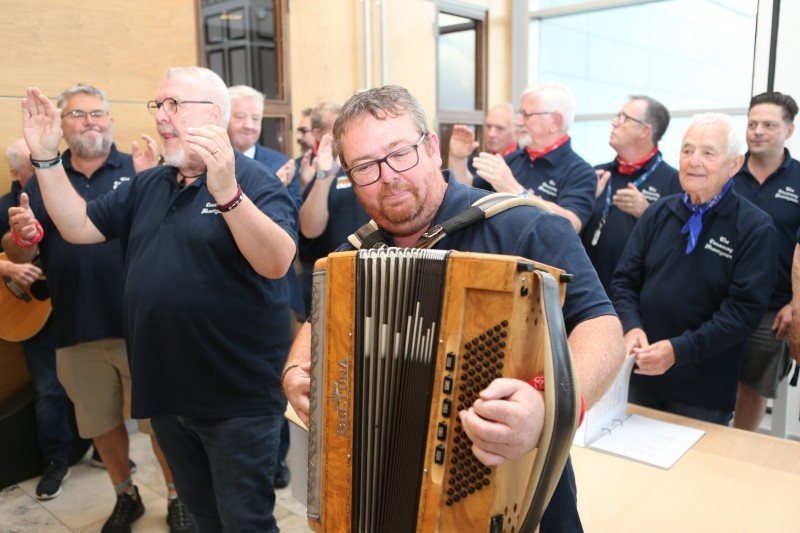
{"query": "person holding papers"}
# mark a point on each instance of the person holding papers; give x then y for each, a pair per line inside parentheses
(694, 281)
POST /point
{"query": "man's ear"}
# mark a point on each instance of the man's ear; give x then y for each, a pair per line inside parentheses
(558, 121)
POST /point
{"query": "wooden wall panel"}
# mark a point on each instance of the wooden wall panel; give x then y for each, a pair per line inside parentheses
(122, 47)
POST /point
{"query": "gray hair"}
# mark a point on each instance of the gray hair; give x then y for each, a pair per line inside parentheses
(707, 119)
(81, 88)
(16, 160)
(238, 92)
(389, 101)
(212, 85)
(318, 113)
(656, 115)
(556, 97)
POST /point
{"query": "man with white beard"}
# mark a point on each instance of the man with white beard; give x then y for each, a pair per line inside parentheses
(86, 285)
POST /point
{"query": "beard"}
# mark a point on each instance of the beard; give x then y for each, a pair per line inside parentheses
(177, 158)
(90, 147)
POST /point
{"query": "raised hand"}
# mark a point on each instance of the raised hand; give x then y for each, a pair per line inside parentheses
(213, 146)
(22, 220)
(41, 124)
(286, 172)
(147, 157)
(462, 142)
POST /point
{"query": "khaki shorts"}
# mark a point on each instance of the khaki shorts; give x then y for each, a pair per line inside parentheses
(766, 359)
(97, 379)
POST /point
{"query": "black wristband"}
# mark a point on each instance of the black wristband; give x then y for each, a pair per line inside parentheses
(46, 163)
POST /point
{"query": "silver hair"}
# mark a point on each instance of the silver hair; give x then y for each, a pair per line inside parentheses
(210, 82)
(556, 97)
(81, 88)
(734, 139)
(245, 92)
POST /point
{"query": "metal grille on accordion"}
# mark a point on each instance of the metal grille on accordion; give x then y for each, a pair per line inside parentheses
(402, 340)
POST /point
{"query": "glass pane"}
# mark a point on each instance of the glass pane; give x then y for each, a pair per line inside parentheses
(668, 50)
(457, 69)
(214, 29)
(237, 58)
(267, 72)
(236, 24)
(272, 133)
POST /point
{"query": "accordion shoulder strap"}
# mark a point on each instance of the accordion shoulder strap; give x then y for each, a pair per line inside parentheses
(370, 236)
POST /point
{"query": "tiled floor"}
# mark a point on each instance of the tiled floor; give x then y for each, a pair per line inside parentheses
(87, 500)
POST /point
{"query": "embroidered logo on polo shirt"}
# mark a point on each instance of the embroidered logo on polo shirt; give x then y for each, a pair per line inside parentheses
(549, 188)
(650, 193)
(788, 194)
(119, 181)
(210, 209)
(343, 182)
(721, 247)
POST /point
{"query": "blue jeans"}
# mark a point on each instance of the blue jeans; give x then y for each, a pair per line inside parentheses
(679, 408)
(50, 401)
(561, 514)
(223, 469)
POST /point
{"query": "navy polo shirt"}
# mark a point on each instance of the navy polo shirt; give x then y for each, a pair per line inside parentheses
(345, 216)
(663, 181)
(560, 176)
(85, 281)
(10, 199)
(779, 196)
(705, 303)
(207, 335)
(526, 232)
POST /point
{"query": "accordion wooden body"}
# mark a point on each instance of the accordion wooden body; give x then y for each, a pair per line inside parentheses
(404, 339)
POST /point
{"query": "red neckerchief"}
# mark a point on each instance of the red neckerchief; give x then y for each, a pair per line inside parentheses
(539, 153)
(629, 168)
(316, 147)
(510, 148)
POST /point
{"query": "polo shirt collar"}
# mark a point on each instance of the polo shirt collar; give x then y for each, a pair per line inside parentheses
(558, 154)
(787, 160)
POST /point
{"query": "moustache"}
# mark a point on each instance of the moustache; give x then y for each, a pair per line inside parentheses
(91, 128)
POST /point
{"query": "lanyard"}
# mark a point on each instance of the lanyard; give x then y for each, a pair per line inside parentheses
(607, 208)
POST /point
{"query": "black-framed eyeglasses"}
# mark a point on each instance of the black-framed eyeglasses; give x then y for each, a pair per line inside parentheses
(303, 131)
(526, 114)
(80, 114)
(400, 160)
(623, 117)
(171, 105)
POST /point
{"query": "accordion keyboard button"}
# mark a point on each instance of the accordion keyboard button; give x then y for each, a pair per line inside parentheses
(441, 432)
(447, 408)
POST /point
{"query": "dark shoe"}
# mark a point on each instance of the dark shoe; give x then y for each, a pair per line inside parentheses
(282, 475)
(53, 478)
(97, 461)
(128, 509)
(178, 516)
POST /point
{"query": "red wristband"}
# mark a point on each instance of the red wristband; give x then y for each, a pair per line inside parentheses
(537, 382)
(233, 203)
(22, 243)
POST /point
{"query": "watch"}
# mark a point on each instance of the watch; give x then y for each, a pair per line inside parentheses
(323, 174)
(524, 194)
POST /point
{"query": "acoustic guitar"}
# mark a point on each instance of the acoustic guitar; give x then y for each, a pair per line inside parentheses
(23, 310)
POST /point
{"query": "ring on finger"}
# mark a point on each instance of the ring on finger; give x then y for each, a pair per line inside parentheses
(215, 151)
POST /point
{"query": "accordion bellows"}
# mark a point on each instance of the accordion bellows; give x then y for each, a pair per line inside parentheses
(402, 340)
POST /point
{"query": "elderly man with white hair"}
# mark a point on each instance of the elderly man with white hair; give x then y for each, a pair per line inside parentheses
(547, 168)
(694, 281)
(208, 238)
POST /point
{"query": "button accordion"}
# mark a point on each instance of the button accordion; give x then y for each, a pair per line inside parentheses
(401, 341)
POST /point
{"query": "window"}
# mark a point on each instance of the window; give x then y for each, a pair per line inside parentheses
(461, 69)
(245, 42)
(665, 49)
